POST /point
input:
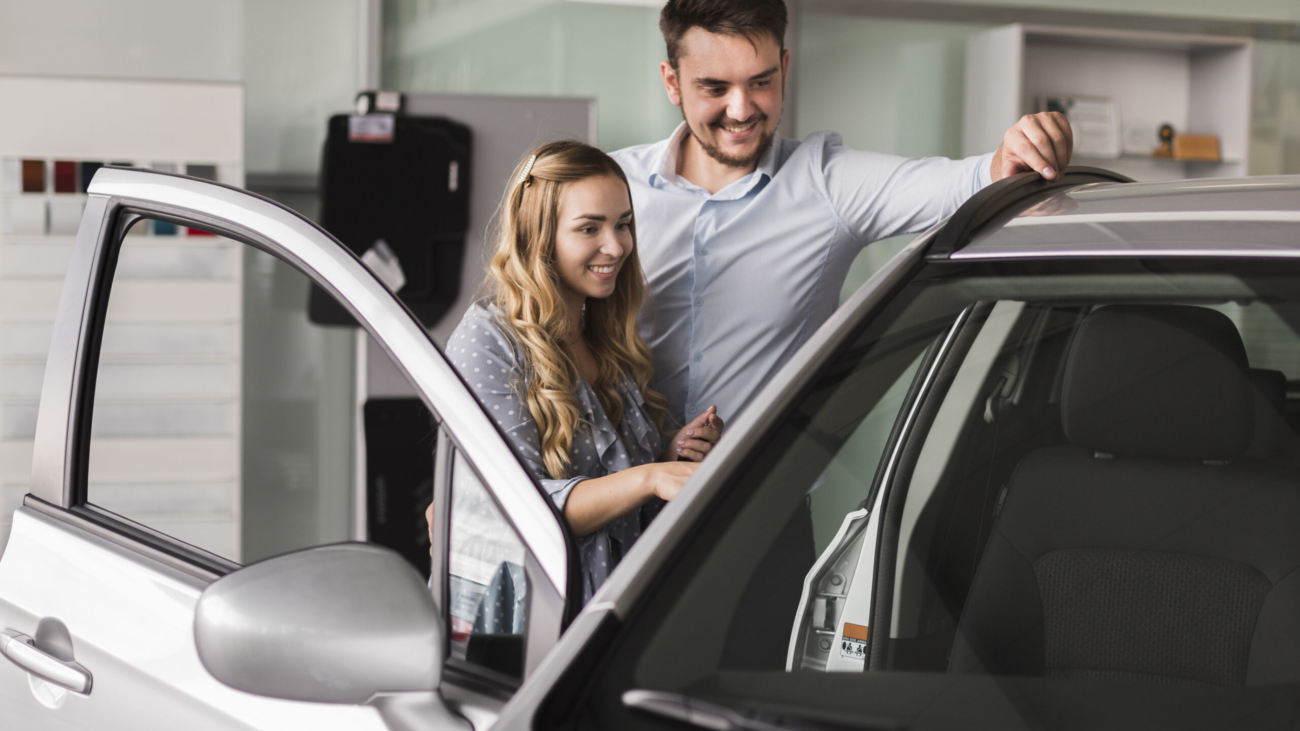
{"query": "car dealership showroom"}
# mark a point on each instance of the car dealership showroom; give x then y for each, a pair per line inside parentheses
(742, 365)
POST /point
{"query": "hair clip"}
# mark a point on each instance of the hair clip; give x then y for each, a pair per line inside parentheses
(528, 169)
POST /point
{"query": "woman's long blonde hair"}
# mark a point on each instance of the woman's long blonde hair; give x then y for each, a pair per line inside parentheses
(526, 286)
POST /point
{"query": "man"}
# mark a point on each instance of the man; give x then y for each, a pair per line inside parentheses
(746, 237)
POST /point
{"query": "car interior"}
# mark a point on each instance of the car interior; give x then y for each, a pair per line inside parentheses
(1134, 473)
(1092, 511)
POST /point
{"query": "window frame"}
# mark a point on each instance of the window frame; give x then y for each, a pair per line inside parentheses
(545, 607)
(117, 199)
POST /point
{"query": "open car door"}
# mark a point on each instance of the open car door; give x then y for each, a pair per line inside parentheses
(98, 607)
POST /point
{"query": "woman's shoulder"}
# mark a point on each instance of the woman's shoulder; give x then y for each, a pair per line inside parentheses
(481, 327)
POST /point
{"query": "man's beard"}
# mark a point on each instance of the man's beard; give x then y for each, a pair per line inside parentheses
(764, 144)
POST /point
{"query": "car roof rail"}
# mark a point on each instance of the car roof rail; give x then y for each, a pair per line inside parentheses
(980, 208)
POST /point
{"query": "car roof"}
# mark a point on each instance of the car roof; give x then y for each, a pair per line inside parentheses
(1241, 217)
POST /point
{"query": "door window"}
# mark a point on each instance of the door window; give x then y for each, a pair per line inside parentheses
(487, 591)
(1087, 471)
(222, 415)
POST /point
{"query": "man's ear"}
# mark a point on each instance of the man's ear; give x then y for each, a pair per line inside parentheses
(785, 66)
(672, 84)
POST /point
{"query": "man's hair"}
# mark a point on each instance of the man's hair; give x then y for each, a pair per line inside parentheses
(749, 18)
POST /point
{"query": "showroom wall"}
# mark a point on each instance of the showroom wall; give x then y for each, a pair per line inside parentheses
(537, 48)
(299, 61)
(190, 40)
(301, 64)
(905, 93)
(887, 74)
(1265, 10)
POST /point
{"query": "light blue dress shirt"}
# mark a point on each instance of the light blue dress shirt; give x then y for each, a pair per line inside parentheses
(741, 278)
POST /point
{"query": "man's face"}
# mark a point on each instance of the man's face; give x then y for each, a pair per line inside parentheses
(730, 90)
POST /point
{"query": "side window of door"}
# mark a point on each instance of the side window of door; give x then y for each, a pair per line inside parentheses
(487, 591)
(223, 415)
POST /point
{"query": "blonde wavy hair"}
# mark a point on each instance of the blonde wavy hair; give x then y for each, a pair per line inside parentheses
(525, 284)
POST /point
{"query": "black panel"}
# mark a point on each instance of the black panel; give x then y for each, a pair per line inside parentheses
(413, 193)
(401, 438)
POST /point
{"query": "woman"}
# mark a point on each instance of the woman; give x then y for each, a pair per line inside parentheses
(555, 356)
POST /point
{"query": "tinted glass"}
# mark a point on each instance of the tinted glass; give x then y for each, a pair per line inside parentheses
(487, 603)
(1087, 513)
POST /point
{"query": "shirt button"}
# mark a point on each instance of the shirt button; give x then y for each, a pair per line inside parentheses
(699, 357)
(699, 301)
(704, 251)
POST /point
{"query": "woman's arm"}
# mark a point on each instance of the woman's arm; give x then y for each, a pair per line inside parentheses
(595, 503)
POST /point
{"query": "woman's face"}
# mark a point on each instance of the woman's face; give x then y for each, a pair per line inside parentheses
(593, 237)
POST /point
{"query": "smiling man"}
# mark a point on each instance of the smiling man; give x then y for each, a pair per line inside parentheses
(746, 237)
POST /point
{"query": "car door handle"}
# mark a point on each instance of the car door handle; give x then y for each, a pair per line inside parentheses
(23, 652)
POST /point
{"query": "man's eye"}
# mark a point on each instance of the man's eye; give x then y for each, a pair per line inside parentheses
(625, 225)
(715, 90)
(763, 84)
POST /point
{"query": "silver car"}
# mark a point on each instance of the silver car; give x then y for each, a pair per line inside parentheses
(1039, 472)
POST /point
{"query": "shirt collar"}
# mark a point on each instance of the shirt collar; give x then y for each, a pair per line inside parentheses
(665, 167)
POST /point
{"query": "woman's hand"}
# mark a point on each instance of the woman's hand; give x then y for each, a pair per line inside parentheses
(697, 438)
(595, 503)
(666, 478)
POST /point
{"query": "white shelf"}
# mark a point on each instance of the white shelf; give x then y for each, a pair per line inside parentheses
(1199, 84)
(168, 407)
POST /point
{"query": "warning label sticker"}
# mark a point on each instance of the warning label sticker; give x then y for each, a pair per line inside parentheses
(853, 646)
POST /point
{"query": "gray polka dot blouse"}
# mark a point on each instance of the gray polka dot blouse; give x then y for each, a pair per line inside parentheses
(489, 362)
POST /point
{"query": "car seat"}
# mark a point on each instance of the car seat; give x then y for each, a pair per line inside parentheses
(1150, 548)
(1274, 437)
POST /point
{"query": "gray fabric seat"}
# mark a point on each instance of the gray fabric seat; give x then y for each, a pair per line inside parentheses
(1273, 435)
(1151, 548)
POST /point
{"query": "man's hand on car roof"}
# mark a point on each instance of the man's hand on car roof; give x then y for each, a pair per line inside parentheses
(1040, 143)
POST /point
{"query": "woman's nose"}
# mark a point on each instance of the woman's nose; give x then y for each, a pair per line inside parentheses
(612, 245)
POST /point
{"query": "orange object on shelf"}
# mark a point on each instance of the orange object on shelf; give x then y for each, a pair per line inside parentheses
(1203, 148)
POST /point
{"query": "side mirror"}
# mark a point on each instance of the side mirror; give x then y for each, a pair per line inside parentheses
(348, 623)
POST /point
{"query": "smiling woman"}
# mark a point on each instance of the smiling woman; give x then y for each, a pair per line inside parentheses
(554, 355)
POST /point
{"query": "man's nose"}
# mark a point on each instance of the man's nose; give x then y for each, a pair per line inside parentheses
(740, 107)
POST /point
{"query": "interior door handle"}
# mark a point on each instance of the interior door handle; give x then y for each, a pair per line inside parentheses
(24, 652)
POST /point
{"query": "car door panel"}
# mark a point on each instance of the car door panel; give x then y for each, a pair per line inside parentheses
(135, 637)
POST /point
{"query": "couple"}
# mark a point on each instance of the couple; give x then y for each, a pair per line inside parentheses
(745, 242)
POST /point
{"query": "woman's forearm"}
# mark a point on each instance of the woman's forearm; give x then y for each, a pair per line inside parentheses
(595, 503)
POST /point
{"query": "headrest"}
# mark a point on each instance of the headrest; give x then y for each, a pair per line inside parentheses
(1271, 430)
(1159, 381)
(1270, 386)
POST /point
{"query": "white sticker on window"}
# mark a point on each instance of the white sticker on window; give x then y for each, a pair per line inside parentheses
(382, 260)
(370, 128)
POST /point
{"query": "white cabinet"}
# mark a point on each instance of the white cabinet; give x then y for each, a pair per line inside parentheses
(1197, 84)
(168, 399)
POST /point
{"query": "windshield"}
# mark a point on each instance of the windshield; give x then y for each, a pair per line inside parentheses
(1034, 494)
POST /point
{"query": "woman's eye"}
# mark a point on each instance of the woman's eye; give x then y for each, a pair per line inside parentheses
(588, 229)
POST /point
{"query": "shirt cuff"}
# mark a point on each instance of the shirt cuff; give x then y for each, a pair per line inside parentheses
(984, 171)
(559, 490)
